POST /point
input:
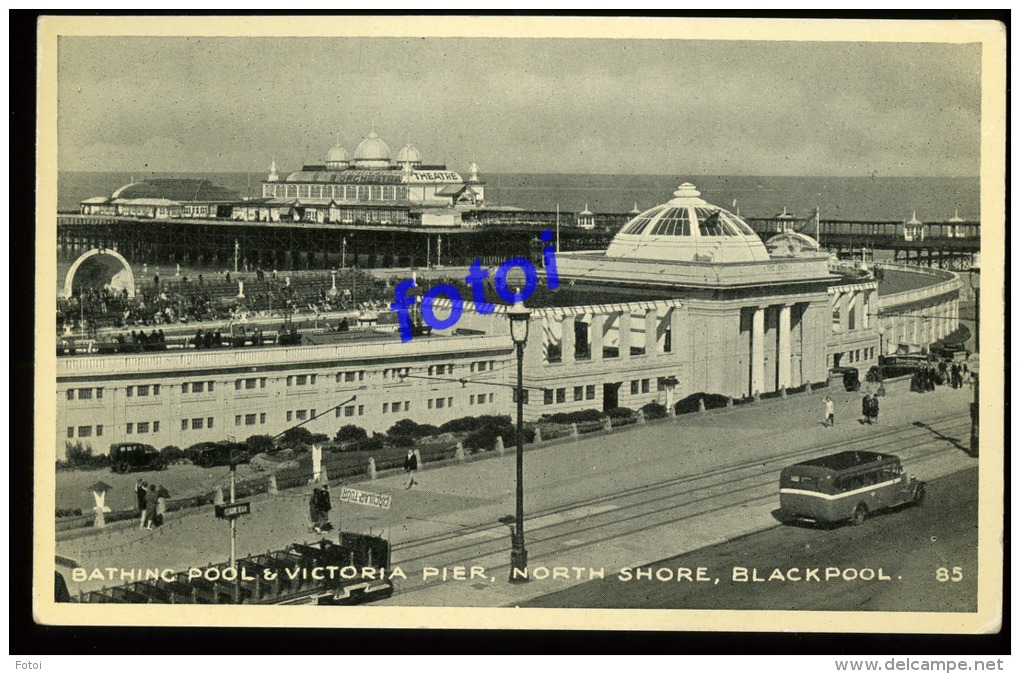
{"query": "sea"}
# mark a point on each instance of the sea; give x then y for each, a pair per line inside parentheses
(858, 198)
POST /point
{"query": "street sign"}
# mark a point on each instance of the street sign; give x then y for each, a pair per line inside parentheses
(232, 510)
(366, 498)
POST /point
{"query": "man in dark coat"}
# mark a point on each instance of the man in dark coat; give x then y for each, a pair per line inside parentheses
(140, 492)
(866, 407)
(873, 410)
(410, 467)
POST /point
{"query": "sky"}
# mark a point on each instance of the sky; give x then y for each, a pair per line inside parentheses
(611, 106)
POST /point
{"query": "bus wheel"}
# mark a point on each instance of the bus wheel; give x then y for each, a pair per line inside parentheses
(123, 467)
(859, 515)
(919, 495)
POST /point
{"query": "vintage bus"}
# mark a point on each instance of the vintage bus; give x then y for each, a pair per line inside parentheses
(846, 486)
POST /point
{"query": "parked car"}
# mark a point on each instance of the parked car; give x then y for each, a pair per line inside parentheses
(851, 377)
(209, 454)
(128, 456)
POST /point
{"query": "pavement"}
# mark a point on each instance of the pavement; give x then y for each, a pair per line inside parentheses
(591, 503)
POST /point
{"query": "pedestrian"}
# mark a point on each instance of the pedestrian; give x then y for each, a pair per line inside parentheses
(325, 505)
(874, 409)
(866, 408)
(161, 496)
(313, 509)
(151, 499)
(410, 467)
(140, 490)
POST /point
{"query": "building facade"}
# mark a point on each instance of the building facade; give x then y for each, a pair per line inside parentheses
(686, 300)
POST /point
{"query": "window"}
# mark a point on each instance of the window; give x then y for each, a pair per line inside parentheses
(184, 387)
(644, 385)
(471, 400)
(857, 355)
(634, 387)
(301, 380)
(196, 424)
(130, 391)
(349, 411)
(395, 406)
(525, 396)
(142, 392)
(312, 415)
(385, 408)
(492, 398)
(547, 396)
(143, 426)
(561, 395)
(262, 418)
(209, 422)
(314, 378)
(99, 395)
(237, 419)
(196, 387)
(237, 385)
(589, 392)
(249, 419)
(84, 431)
(99, 431)
(85, 394)
(449, 402)
(155, 427)
(407, 405)
(70, 431)
(130, 428)
(250, 383)
(210, 386)
(361, 410)
(184, 424)
(430, 403)
(440, 403)
(578, 393)
(70, 394)
(155, 389)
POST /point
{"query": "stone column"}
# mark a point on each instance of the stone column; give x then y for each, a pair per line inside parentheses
(597, 328)
(757, 350)
(783, 344)
(623, 326)
(865, 313)
(567, 345)
(844, 312)
(651, 336)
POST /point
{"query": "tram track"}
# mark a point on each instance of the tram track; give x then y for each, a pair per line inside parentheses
(611, 525)
(889, 437)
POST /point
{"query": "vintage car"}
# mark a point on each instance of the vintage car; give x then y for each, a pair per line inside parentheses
(209, 454)
(128, 456)
(846, 486)
(850, 375)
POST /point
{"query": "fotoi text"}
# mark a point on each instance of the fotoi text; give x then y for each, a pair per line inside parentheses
(403, 300)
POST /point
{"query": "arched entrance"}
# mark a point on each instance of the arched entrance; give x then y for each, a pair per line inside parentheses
(98, 268)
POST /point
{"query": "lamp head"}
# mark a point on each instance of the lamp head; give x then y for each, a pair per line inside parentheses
(519, 316)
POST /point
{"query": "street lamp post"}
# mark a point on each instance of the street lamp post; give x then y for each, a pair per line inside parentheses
(519, 316)
(881, 356)
(975, 283)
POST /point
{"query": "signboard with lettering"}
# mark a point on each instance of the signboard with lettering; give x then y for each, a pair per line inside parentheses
(366, 498)
(231, 510)
(435, 177)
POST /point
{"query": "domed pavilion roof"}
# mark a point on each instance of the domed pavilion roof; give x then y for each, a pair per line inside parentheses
(688, 229)
(337, 154)
(372, 152)
(408, 155)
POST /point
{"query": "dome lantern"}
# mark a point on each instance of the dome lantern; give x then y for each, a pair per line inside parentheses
(337, 157)
(688, 229)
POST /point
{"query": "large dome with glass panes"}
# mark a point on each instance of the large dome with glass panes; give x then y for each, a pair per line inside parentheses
(688, 229)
